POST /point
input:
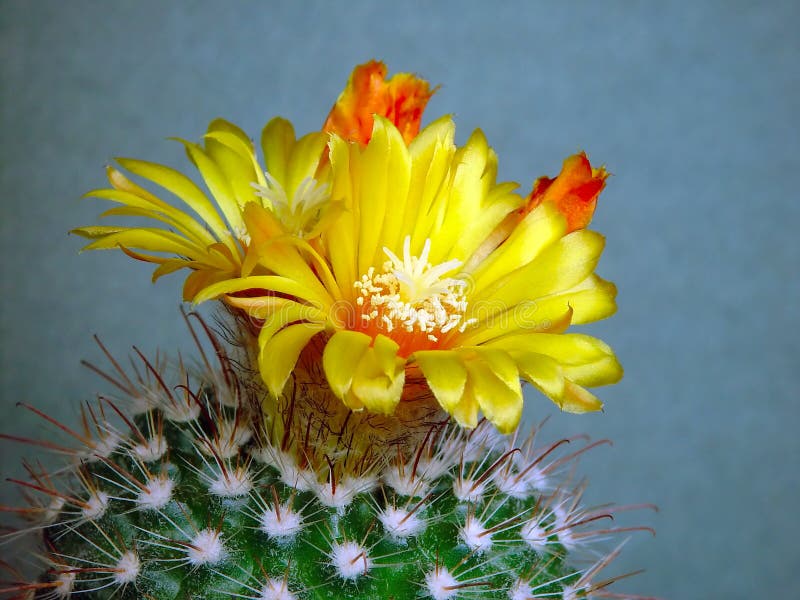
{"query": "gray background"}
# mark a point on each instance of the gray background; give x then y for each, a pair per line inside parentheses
(691, 106)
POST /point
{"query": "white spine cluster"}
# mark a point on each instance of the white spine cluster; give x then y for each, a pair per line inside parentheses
(156, 494)
(440, 584)
(95, 505)
(281, 522)
(65, 582)
(400, 523)
(206, 548)
(152, 450)
(232, 483)
(350, 560)
(276, 589)
(475, 535)
(127, 568)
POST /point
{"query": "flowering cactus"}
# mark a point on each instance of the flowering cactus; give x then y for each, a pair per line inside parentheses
(356, 433)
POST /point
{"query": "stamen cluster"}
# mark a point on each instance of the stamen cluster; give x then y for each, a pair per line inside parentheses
(411, 295)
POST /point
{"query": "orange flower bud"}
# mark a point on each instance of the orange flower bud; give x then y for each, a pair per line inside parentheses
(401, 99)
(573, 192)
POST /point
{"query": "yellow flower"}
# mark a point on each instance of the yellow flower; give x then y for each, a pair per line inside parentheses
(400, 258)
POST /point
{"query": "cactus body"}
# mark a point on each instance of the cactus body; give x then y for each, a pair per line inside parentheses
(185, 490)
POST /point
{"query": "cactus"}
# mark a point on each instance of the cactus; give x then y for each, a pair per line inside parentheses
(179, 488)
(379, 289)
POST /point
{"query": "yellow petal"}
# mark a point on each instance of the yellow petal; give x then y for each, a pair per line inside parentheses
(272, 283)
(232, 151)
(217, 184)
(303, 161)
(152, 208)
(445, 374)
(559, 267)
(591, 300)
(279, 355)
(494, 379)
(466, 411)
(538, 230)
(584, 359)
(183, 187)
(379, 378)
(541, 371)
(578, 400)
(382, 190)
(341, 357)
(279, 257)
(152, 240)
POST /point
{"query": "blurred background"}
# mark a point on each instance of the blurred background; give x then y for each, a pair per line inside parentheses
(692, 107)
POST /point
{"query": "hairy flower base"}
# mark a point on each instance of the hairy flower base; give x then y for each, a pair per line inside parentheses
(304, 505)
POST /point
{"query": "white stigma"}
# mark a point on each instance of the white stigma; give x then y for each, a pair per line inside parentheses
(206, 548)
(127, 569)
(300, 213)
(96, 505)
(152, 450)
(350, 560)
(156, 494)
(413, 295)
(475, 535)
(440, 584)
(281, 523)
(233, 483)
(276, 589)
(400, 523)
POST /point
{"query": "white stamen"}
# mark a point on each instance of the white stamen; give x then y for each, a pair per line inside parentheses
(413, 295)
(300, 213)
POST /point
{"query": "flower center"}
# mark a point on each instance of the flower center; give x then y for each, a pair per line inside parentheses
(300, 213)
(411, 301)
